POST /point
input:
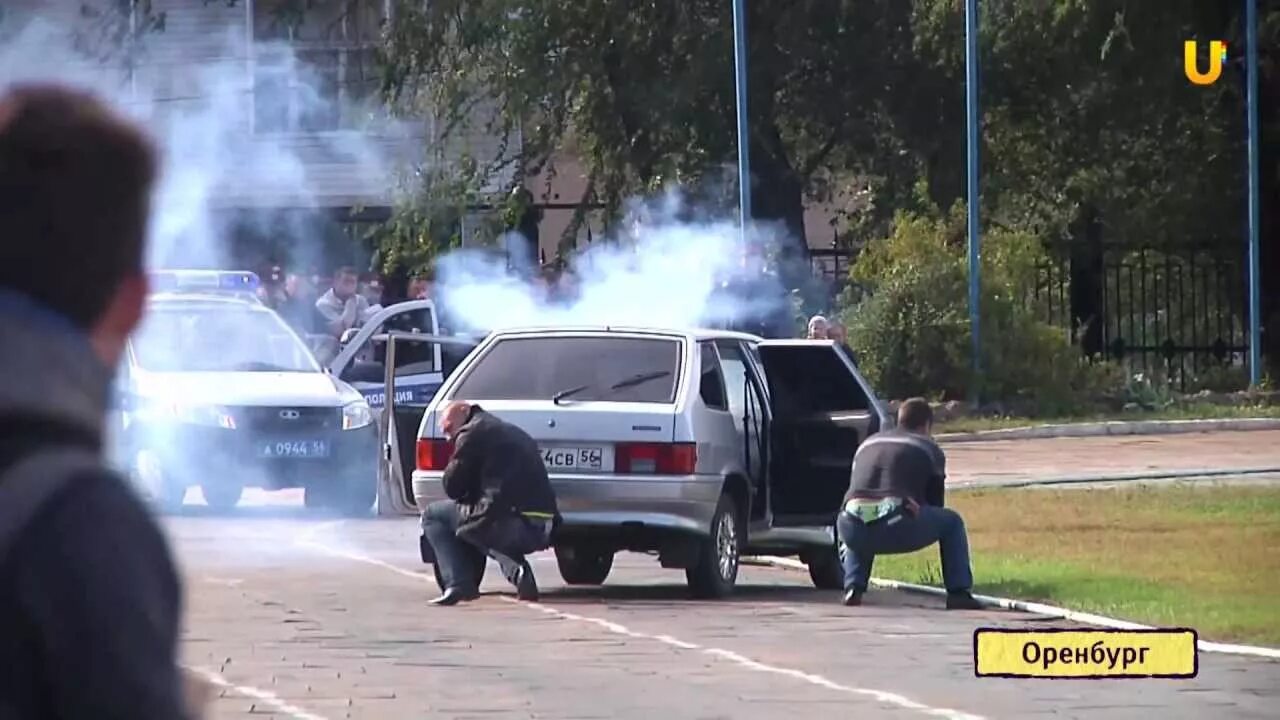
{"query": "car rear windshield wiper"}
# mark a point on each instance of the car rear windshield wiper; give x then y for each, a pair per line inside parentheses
(639, 378)
(571, 391)
(620, 385)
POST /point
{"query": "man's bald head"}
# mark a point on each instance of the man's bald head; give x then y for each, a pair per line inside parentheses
(454, 416)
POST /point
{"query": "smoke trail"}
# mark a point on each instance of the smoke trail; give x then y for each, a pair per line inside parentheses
(197, 99)
(663, 270)
(199, 112)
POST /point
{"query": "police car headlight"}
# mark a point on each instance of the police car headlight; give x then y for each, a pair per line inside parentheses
(356, 415)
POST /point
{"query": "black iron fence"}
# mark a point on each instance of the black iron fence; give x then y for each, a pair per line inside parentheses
(1176, 312)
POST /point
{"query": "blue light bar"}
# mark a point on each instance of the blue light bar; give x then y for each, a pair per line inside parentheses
(204, 281)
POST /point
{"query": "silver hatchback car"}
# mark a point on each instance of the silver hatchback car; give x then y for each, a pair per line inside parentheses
(699, 446)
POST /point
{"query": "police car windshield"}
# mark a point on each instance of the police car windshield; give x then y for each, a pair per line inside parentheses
(206, 338)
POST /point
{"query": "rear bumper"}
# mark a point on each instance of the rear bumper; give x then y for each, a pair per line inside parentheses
(608, 503)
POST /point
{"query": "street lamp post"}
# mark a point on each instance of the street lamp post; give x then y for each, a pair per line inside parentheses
(744, 160)
(1255, 310)
(973, 127)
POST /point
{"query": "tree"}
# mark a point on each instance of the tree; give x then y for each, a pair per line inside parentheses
(644, 92)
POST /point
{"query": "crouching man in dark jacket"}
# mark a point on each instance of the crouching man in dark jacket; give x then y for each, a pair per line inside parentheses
(895, 505)
(501, 504)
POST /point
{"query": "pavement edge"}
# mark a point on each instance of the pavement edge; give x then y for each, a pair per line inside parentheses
(1115, 427)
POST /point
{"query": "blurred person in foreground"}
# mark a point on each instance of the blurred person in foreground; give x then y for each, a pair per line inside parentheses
(90, 602)
(895, 505)
(501, 504)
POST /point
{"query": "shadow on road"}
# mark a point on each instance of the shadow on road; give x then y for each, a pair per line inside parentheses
(796, 594)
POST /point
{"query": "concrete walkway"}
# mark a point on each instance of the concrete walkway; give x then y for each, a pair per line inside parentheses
(996, 461)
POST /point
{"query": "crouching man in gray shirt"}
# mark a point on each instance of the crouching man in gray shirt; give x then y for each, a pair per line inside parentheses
(894, 506)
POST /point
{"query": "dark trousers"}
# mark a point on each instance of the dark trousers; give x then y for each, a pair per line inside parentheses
(461, 557)
(862, 542)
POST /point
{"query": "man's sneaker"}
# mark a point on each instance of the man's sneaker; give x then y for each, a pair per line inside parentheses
(853, 598)
(962, 600)
(526, 584)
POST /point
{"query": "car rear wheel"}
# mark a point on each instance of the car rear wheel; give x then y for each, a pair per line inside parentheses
(715, 571)
(581, 566)
(222, 496)
(825, 569)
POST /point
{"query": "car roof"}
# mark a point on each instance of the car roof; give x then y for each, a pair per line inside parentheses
(695, 334)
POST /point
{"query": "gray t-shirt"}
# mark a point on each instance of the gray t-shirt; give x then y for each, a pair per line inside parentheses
(899, 464)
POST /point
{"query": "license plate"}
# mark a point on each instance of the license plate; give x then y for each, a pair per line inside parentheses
(294, 449)
(573, 458)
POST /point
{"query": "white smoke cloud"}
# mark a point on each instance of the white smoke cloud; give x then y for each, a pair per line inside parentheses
(664, 270)
(198, 110)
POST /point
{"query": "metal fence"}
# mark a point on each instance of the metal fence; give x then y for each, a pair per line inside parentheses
(1176, 312)
(1173, 312)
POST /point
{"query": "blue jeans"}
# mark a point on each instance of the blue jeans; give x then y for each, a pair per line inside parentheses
(461, 557)
(863, 542)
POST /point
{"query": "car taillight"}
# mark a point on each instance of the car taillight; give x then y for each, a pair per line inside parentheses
(655, 458)
(434, 453)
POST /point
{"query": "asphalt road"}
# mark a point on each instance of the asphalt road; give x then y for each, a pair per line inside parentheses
(312, 618)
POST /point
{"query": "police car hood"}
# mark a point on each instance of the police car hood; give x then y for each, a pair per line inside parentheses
(245, 389)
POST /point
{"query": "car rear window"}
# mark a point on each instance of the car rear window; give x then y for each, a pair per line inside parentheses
(616, 369)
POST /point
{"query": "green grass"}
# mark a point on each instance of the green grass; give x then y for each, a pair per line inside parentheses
(1202, 411)
(1200, 557)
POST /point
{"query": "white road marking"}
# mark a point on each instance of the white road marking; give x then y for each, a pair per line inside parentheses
(307, 539)
(266, 698)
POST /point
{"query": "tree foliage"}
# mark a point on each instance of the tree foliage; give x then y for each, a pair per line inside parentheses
(1089, 128)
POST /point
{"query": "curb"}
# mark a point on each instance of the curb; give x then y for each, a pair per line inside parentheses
(1124, 477)
(1115, 427)
(1042, 609)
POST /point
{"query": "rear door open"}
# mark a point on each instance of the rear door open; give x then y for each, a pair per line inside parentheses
(822, 410)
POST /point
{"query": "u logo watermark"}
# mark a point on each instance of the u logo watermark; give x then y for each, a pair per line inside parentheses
(1217, 58)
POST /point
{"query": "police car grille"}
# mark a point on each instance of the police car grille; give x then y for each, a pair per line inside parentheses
(289, 419)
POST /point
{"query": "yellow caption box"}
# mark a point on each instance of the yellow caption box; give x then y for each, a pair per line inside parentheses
(1171, 653)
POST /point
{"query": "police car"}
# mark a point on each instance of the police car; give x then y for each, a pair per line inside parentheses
(217, 391)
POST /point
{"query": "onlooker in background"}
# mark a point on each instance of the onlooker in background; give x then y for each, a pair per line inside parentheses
(90, 599)
(341, 307)
(836, 332)
(421, 287)
(298, 304)
(372, 290)
(817, 328)
(895, 505)
(276, 282)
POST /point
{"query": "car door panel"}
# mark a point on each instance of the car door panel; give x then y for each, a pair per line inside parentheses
(822, 410)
